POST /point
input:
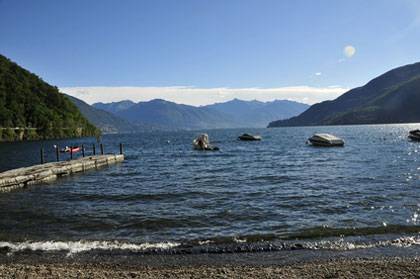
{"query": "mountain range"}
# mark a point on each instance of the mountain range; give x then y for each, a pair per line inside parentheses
(258, 114)
(110, 123)
(393, 97)
(32, 109)
(232, 114)
(169, 114)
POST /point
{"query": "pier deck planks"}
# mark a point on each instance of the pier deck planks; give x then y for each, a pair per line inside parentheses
(23, 177)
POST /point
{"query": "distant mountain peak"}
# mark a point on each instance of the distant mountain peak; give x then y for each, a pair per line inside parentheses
(161, 101)
(114, 107)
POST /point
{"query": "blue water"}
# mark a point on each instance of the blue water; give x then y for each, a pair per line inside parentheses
(266, 193)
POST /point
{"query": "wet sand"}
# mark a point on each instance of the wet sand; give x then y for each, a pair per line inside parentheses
(28, 266)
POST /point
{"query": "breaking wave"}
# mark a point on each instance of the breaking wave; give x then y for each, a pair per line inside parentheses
(207, 246)
(73, 247)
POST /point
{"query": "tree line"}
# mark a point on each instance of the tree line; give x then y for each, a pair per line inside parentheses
(26, 101)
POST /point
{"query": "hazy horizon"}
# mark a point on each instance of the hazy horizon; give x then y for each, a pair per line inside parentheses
(202, 97)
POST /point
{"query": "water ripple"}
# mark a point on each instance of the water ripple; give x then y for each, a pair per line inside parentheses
(277, 187)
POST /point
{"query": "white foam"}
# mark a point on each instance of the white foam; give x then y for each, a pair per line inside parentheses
(237, 240)
(205, 242)
(74, 247)
(342, 245)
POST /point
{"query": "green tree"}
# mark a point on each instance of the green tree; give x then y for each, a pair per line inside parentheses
(26, 100)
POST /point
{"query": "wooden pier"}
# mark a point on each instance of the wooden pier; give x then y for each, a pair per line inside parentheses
(24, 177)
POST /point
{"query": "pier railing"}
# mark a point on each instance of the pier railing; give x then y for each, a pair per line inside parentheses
(71, 152)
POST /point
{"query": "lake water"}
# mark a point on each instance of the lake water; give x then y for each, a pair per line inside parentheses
(276, 194)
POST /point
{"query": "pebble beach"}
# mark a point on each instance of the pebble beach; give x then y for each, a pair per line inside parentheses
(36, 265)
(343, 268)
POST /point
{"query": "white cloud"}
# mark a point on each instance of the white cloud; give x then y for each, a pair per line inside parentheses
(318, 74)
(194, 96)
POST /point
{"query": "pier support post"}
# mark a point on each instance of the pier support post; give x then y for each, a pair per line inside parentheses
(83, 150)
(71, 152)
(102, 149)
(94, 151)
(58, 153)
(121, 148)
(42, 156)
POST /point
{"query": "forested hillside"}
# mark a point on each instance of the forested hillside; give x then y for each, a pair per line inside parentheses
(393, 97)
(32, 109)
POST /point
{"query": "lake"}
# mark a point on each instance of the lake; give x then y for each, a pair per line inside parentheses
(278, 194)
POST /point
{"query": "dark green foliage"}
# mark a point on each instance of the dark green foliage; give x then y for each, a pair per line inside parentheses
(36, 108)
(393, 97)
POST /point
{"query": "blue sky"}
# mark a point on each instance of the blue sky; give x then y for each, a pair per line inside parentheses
(139, 49)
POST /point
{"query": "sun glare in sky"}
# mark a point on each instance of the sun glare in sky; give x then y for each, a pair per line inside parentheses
(349, 51)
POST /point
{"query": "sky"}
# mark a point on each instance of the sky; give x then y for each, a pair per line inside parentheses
(200, 52)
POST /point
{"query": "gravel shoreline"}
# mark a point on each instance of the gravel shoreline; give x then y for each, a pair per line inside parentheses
(337, 268)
